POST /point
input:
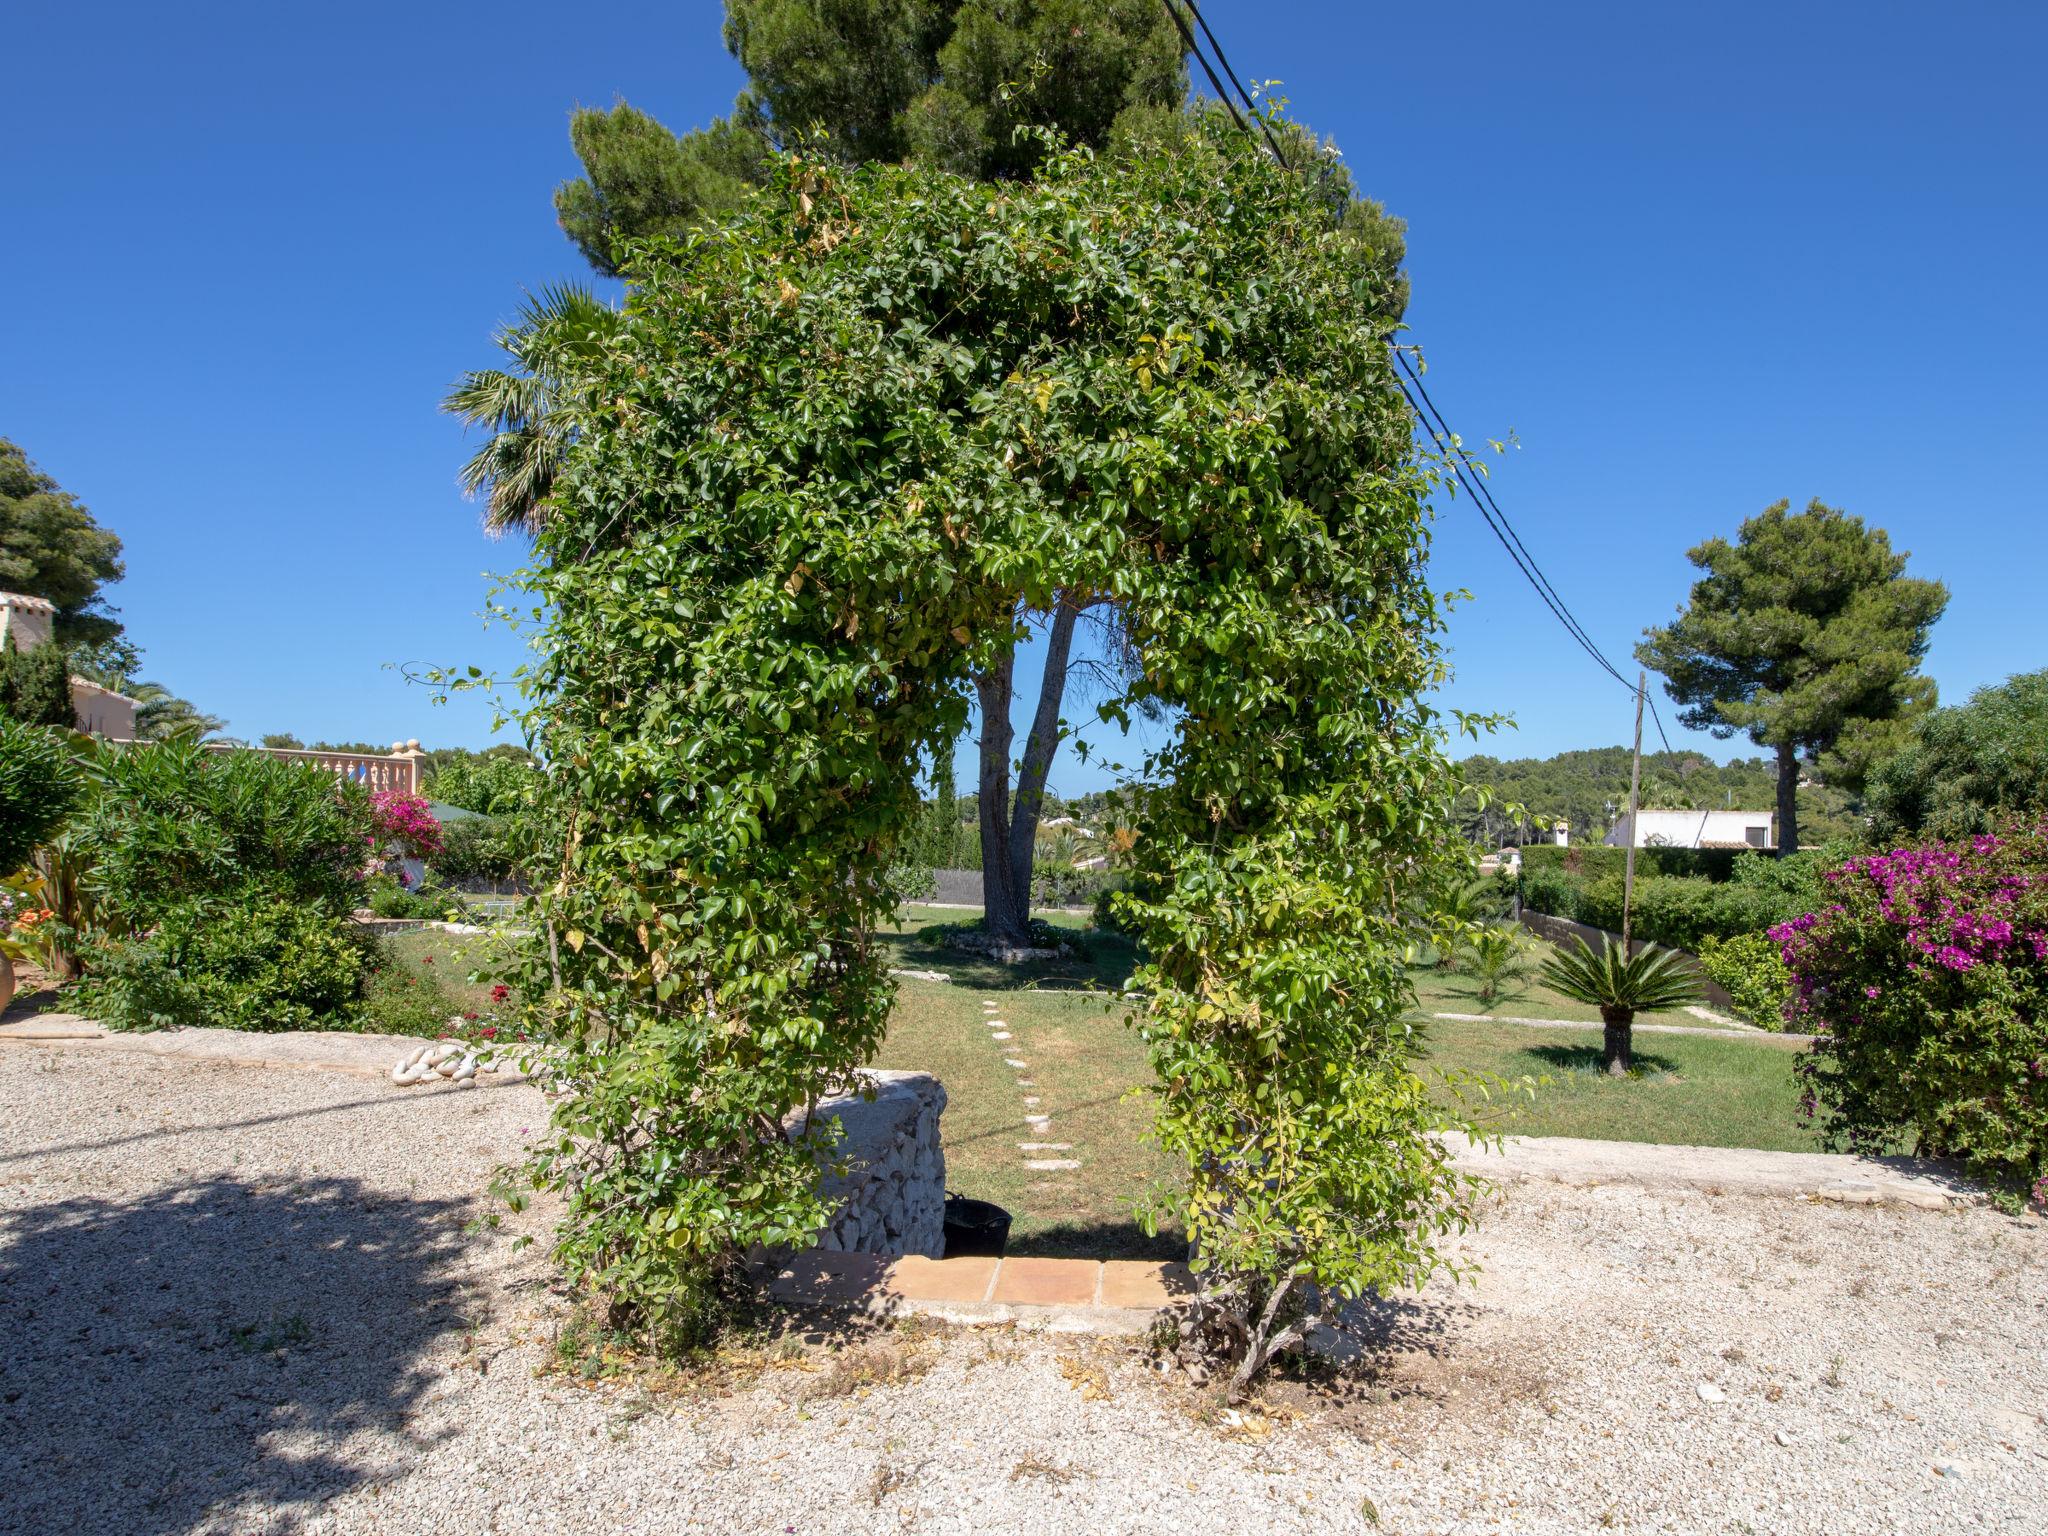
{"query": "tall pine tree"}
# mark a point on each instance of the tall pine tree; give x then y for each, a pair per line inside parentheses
(1807, 634)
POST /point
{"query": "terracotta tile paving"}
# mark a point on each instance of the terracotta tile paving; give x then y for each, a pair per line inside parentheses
(921, 1279)
(1047, 1282)
(1121, 1284)
(1131, 1283)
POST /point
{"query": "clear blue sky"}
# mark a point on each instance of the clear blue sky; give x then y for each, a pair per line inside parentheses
(1697, 258)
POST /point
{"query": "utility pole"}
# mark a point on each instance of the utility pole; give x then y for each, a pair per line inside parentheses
(1635, 785)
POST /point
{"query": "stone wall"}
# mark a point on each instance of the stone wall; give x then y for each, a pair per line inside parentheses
(892, 1198)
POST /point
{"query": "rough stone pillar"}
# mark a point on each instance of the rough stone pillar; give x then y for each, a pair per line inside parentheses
(892, 1198)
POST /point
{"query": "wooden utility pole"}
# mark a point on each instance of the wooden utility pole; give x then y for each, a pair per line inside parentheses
(1635, 786)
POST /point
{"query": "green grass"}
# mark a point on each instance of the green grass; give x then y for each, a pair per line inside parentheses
(1104, 960)
(1084, 1065)
(1687, 1089)
(1456, 992)
(439, 965)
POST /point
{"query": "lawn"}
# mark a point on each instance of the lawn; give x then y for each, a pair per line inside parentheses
(1087, 1072)
(1082, 1063)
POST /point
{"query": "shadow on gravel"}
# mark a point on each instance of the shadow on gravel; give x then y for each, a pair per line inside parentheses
(194, 1359)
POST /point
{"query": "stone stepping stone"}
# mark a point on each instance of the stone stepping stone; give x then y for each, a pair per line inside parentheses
(1001, 1034)
(1028, 1099)
(1045, 1146)
(1051, 1164)
(1025, 1082)
(1011, 1061)
(1039, 1122)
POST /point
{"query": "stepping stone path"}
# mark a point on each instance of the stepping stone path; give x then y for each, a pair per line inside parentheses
(1039, 1123)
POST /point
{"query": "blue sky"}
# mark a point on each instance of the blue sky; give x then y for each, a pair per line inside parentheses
(1698, 259)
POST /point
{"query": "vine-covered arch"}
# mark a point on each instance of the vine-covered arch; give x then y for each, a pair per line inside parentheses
(835, 447)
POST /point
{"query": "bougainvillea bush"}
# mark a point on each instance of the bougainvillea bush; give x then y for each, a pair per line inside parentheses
(838, 446)
(1926, 976)
(405, 822)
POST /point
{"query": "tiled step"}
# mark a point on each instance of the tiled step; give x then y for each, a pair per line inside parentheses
(1068, 1295)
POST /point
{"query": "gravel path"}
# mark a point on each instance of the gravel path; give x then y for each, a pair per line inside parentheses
(238, 1300)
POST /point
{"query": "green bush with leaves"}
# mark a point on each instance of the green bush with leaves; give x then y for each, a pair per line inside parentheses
(38, 788)
(35, 686)
(837, 445)
(224, 883)
(475, 850)
(1751, 970)
(1925, 978)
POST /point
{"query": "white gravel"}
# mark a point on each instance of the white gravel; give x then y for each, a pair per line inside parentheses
(236, 1300)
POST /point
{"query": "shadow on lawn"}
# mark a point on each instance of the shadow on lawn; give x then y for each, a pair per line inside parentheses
(1592, 1059)
(1106, 961)
(1119, 1238)
(197, 1356)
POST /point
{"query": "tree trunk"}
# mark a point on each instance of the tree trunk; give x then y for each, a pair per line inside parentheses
(1788, 798)
(1009, 829)
(1619, 1040)
(1002, 914)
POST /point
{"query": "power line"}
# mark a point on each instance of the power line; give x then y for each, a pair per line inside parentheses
(1234, 77)
(1482, 499)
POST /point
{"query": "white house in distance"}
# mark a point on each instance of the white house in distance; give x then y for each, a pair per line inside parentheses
(27, 622)
(1696, 829)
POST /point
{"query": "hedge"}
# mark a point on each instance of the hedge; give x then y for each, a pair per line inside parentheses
(1597, 862)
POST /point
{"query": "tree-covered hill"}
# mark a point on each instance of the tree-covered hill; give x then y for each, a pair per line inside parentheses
(1589, 788)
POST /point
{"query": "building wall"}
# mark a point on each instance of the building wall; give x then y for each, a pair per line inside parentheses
(1696, 829)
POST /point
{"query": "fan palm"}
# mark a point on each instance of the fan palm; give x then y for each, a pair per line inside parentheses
(521, 407)
(1620, 985)
(1495, 953)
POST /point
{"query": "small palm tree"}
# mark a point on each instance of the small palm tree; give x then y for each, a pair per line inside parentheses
(521, 407)
(1497, 960)
(1620, 985)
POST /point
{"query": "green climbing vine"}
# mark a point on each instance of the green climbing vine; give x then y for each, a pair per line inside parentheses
(836, 446)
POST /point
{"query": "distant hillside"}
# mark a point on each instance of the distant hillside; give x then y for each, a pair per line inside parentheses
(1590, 790)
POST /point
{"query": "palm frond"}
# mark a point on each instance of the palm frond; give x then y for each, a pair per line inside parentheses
(1645, 982)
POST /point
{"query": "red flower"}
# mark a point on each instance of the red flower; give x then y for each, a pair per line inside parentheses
(500, 992)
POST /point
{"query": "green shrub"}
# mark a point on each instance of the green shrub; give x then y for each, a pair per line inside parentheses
(387, 898)
(1594, 862)
(405, 1000)
(171, 822)
(136, 986)
(255, 963)
(35, 686)
(1549, 889)
(1926, 977)
(225, 882)
(1750, 968)
(1678, 911)
(38, 787)
(476, 848)
(1059, 886)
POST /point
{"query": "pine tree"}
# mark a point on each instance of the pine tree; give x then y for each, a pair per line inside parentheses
(1807, 634)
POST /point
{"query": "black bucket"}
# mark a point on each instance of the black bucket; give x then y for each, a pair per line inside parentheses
(975, 1228)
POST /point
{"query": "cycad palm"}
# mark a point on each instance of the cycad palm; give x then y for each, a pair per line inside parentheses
(522, 407)
(1621, 985)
